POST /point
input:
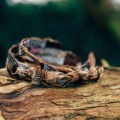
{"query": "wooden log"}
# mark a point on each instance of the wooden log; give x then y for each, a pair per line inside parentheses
(20, 100)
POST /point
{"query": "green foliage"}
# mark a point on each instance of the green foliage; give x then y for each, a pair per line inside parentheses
(68, 21)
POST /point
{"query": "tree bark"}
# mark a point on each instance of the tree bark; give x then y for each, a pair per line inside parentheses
(20, 100)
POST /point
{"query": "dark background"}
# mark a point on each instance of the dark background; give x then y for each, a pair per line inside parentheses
(81, 25)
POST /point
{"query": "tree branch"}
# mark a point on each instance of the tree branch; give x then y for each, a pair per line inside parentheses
(20, 100)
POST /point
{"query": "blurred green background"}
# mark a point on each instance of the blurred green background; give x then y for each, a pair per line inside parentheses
(81, 25)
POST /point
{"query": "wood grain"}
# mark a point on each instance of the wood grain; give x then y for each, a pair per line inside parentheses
(100, 100)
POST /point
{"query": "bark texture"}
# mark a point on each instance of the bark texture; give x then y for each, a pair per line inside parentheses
(96, 101)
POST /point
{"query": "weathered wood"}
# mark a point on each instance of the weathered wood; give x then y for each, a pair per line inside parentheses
(97, 101)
